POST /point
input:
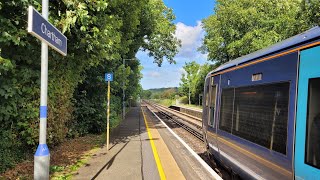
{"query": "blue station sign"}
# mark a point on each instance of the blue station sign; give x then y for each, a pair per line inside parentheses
(45, 31)
(108, 76)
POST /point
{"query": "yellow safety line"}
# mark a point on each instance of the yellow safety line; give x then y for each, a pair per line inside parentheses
(154, 150)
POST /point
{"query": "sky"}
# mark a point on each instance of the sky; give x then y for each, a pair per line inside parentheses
(189, 14)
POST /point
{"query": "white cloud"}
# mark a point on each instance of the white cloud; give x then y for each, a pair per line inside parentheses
(153, 74)
(191, 39)
(169, 75)
(182, 71)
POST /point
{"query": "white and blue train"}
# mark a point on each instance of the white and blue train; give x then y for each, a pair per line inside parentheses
(261, 112)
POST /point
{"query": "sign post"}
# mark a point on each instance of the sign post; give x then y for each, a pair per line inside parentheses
(39, 26)
(108, 77)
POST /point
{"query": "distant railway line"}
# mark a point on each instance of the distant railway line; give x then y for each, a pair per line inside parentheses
(187, 122)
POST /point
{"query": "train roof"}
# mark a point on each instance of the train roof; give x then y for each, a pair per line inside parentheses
(296, 40)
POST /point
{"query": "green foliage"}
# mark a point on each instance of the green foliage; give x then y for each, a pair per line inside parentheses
(11, 150)
(183, 100)
(309, 14)
(100, 33)
(54, 169)
(240, 27)
(159, 40)
(193, 79)
(165, 102)
(146, 94)
(189, 78)
(169, 94)
(164, 93)
(161, 90)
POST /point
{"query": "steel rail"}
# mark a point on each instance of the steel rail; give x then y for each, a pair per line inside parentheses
(186, 126)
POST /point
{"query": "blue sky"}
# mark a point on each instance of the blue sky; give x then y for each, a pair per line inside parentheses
(189, 14)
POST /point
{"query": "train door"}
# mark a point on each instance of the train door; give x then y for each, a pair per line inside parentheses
(307, 146)
(212, 103)
(212, 124)
(205, 109)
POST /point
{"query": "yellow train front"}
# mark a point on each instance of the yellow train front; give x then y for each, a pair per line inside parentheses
(261, 112)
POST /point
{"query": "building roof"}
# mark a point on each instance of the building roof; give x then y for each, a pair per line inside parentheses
(304, 37)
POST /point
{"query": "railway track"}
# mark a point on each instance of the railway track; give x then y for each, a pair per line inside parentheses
(177, 118)
(184, 126)
(180, 113)
(192, 128)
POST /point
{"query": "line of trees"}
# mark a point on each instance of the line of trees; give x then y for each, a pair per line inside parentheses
(192, 79)
(100, 34)
(160, 93)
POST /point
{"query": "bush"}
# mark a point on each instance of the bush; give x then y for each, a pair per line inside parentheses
(183, 100)
(11, 150)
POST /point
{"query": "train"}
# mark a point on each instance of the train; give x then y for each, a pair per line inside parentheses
(261, 111)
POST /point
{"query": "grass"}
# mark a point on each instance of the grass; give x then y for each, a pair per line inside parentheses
(66, 173)
(191, 106)
(165, 102)
(169, 102)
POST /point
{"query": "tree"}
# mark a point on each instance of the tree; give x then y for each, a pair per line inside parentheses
(168, 94)
(309, 14)
(100, 34)
(189, 78)
(199, 84)
(146, 94)
(195, 74)
(240, 27)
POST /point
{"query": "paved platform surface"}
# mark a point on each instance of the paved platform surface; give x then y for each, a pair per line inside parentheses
(142, 148)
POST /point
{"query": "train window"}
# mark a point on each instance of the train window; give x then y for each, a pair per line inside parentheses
(258, 114)
(312, 156)
(212, 104)
(256, 77)
(207, 94)
(226, 109)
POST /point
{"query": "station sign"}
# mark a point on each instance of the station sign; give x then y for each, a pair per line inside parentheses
(39, 27)
(108, 76)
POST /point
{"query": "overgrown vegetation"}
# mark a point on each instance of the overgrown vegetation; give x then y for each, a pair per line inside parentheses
(239, 27)
(100, 34)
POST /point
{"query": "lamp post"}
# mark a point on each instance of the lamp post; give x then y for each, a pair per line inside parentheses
(200, 95)
(189, 93)
(123, 90)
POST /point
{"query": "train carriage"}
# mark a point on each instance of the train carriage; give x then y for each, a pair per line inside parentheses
(261, 112)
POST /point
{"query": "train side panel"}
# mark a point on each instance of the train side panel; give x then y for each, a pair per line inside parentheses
(254, 118)
(307, 161)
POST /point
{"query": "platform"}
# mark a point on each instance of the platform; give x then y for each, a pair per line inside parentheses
(143, 148)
